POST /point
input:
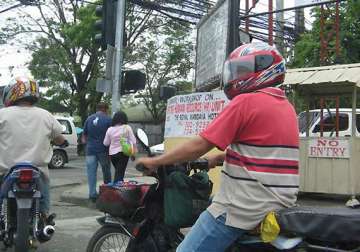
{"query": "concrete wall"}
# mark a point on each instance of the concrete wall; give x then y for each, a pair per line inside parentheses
(155, 132)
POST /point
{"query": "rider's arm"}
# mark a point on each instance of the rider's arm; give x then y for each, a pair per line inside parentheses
(84, 133)
(59, 140)
(107, 137)
(190, 150)
(221, 132)
(56, 134)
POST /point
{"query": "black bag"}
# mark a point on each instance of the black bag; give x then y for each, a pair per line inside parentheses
(185, 198)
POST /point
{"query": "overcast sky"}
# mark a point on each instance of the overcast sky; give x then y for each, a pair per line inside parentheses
(13, 55)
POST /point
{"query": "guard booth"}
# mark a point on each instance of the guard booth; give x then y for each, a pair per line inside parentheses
(329, 163)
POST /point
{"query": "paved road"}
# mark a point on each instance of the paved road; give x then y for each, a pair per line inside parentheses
(75, 224)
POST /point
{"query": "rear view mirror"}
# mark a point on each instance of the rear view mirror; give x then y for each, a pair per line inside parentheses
(143, 138)
(316, 128)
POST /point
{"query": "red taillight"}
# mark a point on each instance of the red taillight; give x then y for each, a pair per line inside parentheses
(26, 175)
(136, 231)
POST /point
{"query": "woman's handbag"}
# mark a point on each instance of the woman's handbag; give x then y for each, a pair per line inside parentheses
(127, 147)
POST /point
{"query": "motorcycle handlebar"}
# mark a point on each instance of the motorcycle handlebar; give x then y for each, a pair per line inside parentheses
(63, 145)
(199, 164)
(140, 167)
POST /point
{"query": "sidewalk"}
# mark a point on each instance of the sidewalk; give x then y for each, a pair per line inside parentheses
(79, 194)
(55, 182)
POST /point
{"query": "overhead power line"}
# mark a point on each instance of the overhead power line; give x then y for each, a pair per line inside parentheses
(10, 8)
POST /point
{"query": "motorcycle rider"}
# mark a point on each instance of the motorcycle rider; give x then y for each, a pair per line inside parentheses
(259, 133)
(26, 133)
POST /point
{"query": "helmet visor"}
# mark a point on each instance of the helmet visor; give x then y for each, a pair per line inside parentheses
(242, 68)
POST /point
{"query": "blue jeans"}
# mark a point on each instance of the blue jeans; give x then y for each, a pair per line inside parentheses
(209, 234)
(45, 194)
(91, 168)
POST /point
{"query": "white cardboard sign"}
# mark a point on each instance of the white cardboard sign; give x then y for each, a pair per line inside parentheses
(188, 115)
(329, 148)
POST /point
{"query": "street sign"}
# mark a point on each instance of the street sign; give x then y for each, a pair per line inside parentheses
(104, 86)
(188, 115)
(308, 2)
(329, 148)
(217, 36)
(110, 51)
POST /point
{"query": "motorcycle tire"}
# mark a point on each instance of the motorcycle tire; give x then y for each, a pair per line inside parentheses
(22, 230)
(114, 234)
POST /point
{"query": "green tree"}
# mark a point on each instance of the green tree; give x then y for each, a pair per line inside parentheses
(67, 61)
(165, 53)
(307, 49)
(64, 58)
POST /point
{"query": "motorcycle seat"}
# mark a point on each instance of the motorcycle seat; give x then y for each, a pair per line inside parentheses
(332, 224)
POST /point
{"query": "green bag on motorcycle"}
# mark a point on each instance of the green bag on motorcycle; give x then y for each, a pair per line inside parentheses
(185, 198)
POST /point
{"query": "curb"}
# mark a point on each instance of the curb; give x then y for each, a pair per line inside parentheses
(63, 185)
(76, 196)
(84, 202)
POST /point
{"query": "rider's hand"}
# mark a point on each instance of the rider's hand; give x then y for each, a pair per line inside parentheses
(214, 160)
(149, 163)
(64, 144)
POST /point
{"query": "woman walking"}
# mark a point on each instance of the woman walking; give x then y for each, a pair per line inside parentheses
(120, 131)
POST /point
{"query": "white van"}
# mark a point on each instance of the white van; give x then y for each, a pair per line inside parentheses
(63, 155)
(345, 125)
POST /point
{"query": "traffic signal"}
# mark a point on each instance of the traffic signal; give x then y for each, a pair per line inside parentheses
(133, 80)
(106, 25)
(166, 92)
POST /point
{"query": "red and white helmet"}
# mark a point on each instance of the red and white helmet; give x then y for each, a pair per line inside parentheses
(252, 67)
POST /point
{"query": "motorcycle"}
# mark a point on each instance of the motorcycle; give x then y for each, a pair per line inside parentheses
(20, 222)
(143, 229)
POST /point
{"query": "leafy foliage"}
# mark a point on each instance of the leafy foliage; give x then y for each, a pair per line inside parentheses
(165, 54)
(64, 57)
(307, 49)
(67, 62)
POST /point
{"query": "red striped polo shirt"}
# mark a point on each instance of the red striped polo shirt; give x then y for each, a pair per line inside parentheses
(259, 132)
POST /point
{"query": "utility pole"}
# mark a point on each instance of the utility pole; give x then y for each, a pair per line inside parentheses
(120, 22)
(279, 40)
(247, 13)
(271, 23)
(330, 31)
(299, 23)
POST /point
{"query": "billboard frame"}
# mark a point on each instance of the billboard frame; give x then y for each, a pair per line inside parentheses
(232, 38)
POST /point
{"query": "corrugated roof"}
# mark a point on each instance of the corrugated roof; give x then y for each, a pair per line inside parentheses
(326, 79)
(349, 73)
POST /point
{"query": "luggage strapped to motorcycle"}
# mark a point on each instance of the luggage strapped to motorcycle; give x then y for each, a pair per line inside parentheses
(185, 197)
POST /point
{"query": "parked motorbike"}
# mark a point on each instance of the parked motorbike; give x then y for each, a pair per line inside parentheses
(20, 222)
(302, 228)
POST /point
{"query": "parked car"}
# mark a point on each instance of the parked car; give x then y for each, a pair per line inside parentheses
(61, 156)
(345, 125)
